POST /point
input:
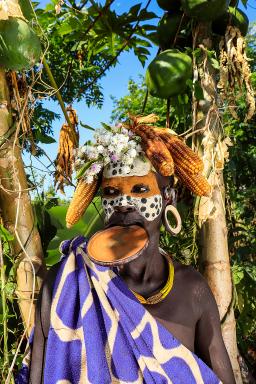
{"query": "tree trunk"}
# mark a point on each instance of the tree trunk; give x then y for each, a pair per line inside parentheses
(17, 213)
(215, 264)
(214, 259)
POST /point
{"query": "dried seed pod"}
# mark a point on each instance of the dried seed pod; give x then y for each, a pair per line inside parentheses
(82, 198)
(68, 141)
(197, 184)
(155, 150)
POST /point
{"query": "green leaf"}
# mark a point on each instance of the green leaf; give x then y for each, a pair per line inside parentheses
(90, 223)
(43, 138)
(199, 94)
(27, 9)
(134, 9)
(142, 59)
(146, 15)
(50, 7)
(86, 126)
(107, 127)
(238, 273)
(5, 234)
(215, 64)
(84, 168)
(251, 271)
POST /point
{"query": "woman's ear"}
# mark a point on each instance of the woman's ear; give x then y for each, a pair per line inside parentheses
(170, 195)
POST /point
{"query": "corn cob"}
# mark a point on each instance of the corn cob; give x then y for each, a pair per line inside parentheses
(197, 184)
(83, 196)
(182, 155)
(155, 150)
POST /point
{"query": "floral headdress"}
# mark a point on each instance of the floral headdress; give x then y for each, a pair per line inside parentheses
(111, 145)
(167, 153)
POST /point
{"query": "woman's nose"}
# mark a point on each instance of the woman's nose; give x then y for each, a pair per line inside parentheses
(124, 208)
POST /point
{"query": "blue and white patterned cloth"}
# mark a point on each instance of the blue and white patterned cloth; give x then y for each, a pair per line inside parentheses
(100, 333)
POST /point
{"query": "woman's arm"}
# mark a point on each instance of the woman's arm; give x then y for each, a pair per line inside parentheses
(209, 343)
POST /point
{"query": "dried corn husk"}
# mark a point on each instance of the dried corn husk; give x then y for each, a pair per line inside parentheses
(68, 142)
(182, 155)
(156, 150)
(169, 154)
(197, 184)
(152, 144)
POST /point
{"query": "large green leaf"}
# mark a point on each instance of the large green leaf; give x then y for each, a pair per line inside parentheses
(86, 226)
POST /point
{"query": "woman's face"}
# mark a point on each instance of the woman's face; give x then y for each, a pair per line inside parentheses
(139, 195)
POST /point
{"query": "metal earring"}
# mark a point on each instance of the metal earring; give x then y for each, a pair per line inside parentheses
(173, 230)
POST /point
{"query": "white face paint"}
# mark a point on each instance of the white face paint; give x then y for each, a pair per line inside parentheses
(148, 207)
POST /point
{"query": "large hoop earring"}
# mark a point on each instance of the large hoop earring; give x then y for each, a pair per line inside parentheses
(173, 230)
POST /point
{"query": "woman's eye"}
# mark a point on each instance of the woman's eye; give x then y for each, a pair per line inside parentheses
(110, 191)
(140, 188)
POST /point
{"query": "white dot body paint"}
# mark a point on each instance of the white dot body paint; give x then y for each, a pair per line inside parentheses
(148, 207)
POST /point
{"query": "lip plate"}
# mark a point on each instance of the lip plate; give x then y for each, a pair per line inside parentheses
(122, 261)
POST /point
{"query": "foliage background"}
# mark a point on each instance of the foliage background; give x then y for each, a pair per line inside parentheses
(77, 59)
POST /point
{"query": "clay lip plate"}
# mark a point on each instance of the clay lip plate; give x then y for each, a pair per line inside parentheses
(117, 245)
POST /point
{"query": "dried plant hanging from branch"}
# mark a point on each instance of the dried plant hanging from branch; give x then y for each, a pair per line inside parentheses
(21, 103)
(10, 8)
(68, 142)
(235, 73)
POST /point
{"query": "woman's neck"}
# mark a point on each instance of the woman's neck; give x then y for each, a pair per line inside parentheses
(148, 273)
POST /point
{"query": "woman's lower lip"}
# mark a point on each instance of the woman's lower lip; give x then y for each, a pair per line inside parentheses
(124, 224)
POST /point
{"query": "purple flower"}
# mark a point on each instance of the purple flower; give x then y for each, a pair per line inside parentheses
(114, 158)
(95, 167)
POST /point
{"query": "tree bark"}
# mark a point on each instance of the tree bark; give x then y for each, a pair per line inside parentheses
(215, 265)
(17, 212)
(214, 258)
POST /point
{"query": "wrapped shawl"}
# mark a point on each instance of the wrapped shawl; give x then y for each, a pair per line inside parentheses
(99, 333)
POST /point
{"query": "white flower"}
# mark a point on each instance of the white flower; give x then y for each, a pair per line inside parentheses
(112, 149)
(120, 139)
(123, 139)
(132, 144)
(100, 149)
(105, 139)
(89, 179)
(94, 169)
(115, 140)
(79, 152)
(92, 152)
(78, 163)
(132, 152)
(106, 160)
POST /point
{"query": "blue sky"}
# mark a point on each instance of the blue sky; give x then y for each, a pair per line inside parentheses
(114, 83)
